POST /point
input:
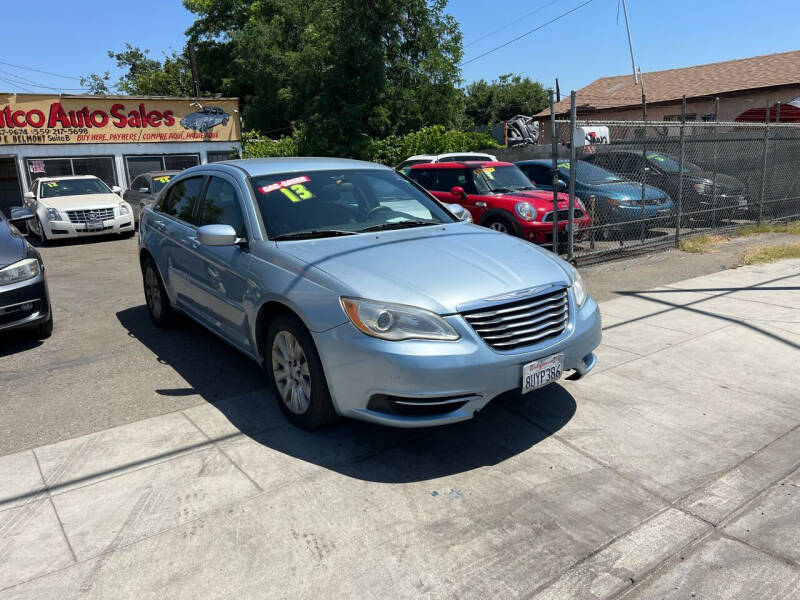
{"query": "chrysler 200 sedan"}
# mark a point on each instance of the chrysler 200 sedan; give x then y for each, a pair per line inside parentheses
(359, 293)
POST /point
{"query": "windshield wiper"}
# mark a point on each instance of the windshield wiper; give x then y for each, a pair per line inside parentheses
(398, 225)
(314, 233)
(524, 188)
(500, 189)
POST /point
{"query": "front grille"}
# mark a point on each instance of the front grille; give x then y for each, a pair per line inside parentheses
(523, 322)
(563, 215)
(93, 214)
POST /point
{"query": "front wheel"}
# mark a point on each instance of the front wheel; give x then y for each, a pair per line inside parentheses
(40, 232)
(500, 224)
(296, 373)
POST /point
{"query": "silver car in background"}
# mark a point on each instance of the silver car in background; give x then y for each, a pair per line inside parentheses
(359, 292)
(145, 188)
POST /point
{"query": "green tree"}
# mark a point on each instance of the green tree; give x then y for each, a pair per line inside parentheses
(143, 75)
(340, 71)
(503, 98)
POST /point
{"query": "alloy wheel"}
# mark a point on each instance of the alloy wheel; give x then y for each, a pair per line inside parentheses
(499, 226)
(290, 369)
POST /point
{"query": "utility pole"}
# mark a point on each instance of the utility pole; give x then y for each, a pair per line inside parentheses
(630, 42)
(193, 63)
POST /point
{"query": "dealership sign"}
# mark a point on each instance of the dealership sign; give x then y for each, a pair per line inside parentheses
(40, 119)
(591, 136)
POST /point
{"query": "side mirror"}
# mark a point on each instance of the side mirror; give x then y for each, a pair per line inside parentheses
(143, 190)
(458, 191)
(561, 186)
(20, 214)
(30, 196)
(116, 189)
(217, 235)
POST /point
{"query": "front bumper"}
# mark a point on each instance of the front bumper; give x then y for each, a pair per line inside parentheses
(466, 372)
(540, 232)
(66, 229)
(14, 298)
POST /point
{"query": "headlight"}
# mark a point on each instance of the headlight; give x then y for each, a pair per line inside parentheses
(53, 215)
(702, 188)
(123, 208)
(19, 271)
(525, 211)
(397, 322)
(578, 288)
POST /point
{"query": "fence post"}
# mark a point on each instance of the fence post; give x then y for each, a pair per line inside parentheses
(555, 170)
(764, 168)
(645, 169)
(680, 175)
(714, 175)
(572, 158)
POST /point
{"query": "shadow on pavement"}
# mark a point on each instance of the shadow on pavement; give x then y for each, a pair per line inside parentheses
(237, 388)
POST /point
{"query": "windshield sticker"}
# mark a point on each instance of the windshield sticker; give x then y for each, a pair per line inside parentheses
(563, 165)
(657, 157)
(51, 183)
(487, 171)
(162, 179)
(291, 188)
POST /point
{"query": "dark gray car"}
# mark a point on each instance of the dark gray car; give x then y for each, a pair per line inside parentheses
(144, 190)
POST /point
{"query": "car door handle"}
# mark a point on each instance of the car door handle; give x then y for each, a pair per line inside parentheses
(160, 225)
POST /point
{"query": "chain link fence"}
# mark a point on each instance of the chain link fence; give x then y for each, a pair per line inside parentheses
(654, 183)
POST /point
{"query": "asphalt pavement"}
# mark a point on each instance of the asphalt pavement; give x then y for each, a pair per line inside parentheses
(140, 463)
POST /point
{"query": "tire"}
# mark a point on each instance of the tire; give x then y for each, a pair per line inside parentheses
(40, 232)
(296, 373)
(45, 330)
(158, 305)
(500, 224)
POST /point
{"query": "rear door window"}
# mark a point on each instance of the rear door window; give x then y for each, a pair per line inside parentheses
(182, 199)
(446, 179)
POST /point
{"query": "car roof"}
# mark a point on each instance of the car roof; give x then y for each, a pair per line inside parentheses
(157, 173)
(270, 166)
(63, 177)
(541, 161)
(461, 164)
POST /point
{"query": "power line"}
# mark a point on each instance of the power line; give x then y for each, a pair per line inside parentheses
(18, 85)
(519, 37)
(514, 22)
(23, 81)
(39, 71)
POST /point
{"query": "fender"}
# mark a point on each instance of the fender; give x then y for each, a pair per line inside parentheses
(501, 212)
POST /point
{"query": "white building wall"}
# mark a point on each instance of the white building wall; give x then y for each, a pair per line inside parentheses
(118, 151)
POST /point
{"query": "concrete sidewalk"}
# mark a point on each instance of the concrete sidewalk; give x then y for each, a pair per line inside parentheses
(673, 471)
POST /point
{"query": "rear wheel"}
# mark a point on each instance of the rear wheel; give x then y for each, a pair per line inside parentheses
(158, 305)
(296, 373)
(500, 224)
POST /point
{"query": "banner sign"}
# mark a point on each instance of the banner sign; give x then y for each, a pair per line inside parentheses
(42, 119)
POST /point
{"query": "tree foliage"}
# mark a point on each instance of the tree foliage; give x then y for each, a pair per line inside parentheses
(428, 140)
(147, 76)
(503, 98)
(343, 71)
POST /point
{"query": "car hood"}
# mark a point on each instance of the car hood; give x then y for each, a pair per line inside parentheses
(82, 201)
(625, 190)
(12, 244)
(438, 268)
(724, 182)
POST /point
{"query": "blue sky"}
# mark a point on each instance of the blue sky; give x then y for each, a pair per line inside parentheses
(585, 45)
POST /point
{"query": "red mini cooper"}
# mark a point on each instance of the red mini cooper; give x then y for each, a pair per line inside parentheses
(499, 196)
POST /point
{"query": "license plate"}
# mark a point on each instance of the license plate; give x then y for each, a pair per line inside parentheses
(94, 225)
(540, 372)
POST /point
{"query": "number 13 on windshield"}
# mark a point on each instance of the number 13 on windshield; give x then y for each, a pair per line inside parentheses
(297, 193)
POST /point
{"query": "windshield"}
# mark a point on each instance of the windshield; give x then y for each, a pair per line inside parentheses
(159, 182)
(669, 164)
(587, 173)
(500, 179)
(342, 202)
(72, 187)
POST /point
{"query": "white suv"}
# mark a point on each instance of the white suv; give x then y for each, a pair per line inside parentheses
(68, 207)
(405, 166)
